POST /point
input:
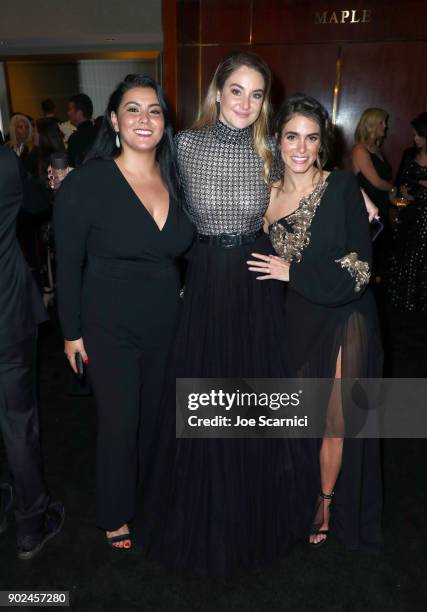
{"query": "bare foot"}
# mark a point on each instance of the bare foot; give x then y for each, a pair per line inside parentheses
(123, 530)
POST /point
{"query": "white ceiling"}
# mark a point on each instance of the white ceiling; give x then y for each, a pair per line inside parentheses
(55, 26)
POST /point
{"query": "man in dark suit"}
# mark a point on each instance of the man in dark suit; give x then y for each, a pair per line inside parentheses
(21, 310)
(80, 110)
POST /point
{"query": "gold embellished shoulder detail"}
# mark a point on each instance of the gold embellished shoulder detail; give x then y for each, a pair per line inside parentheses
(359, 270)
(290, 243)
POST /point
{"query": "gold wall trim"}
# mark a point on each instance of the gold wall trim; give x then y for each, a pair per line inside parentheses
(199, 74)
(61, 57)
(337, 87)
(251, 22)
(230, 44)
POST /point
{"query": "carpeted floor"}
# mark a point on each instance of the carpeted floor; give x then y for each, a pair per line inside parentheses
(98, 578)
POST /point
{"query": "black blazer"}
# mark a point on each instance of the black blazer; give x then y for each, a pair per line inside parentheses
(21, 305)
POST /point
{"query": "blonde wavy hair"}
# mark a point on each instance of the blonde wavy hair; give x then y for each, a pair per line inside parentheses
(365, 133)
(13, 141)
(209, 111)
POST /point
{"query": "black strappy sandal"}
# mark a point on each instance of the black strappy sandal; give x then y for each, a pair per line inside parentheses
(119, 538)
(315, 531)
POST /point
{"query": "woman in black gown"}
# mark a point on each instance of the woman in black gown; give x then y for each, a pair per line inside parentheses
(119, 230)
(407, 267)
(218, 504)
(320, 231)
(374, 173)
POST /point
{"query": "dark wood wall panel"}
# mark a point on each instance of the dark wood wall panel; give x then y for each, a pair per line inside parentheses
(226, 21)
(301, 68)
(169, 72)
(188, 18)
(188, 97)
(382, 61)
(284, 21)
(388, 76)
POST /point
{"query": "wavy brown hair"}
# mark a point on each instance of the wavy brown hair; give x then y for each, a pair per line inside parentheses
(210, 109)
(301, 104)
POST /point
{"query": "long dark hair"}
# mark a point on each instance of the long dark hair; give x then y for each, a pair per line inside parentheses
(105, 143)
(51, 141)
(420, 124)
(300, 104)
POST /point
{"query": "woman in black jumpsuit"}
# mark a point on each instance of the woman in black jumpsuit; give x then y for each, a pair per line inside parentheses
(119, 234)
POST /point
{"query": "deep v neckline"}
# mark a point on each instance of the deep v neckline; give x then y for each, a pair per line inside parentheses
(141, 203)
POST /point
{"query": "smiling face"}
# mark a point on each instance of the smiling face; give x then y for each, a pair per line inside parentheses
(241, 98)
(300, 143)
(139, 119)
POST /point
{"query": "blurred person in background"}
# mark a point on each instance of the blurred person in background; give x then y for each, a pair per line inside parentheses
(80, 110)
(49, 141)
(407, 266)
(37, 518)
(374, 173)
(48, 109)
(20, 138)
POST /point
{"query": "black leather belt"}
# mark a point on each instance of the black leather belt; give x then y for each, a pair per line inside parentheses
(228, 241)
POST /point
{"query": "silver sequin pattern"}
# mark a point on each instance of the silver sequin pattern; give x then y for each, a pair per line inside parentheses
(222, 179)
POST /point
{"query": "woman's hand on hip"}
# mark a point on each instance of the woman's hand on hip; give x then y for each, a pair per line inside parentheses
(270, 266)
(71, 347)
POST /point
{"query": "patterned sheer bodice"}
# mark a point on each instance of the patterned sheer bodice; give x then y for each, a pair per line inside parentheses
(222, 178)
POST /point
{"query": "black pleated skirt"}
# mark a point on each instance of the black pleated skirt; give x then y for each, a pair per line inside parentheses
(210, 506)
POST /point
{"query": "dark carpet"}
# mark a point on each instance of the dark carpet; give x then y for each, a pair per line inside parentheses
(98, 578)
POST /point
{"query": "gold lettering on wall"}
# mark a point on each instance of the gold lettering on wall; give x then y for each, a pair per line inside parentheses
(353, 17)
(320, 17)
(347, 16)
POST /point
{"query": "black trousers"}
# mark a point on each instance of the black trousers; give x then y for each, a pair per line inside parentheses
(128, 380)
(19, 423)
(129, 317)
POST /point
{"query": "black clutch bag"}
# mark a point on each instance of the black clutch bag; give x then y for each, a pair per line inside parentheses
(377, 227)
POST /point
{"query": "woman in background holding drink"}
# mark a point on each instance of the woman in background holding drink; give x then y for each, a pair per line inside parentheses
(407, 269)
